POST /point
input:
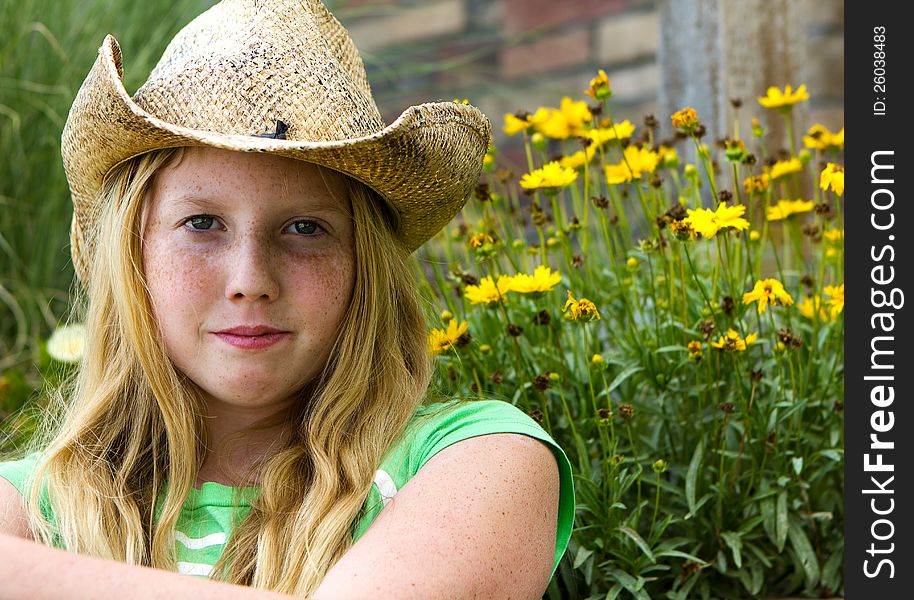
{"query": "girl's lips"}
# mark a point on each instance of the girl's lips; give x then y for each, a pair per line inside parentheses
(253, 342)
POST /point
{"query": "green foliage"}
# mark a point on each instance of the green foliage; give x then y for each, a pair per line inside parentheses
(700, 471)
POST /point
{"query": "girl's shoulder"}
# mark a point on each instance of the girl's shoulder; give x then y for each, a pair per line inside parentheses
(436, 426)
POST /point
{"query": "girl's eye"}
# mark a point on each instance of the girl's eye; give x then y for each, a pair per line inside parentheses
(200, 222)
(305, 227)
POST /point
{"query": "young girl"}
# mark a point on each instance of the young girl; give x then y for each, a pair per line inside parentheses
(253, 406)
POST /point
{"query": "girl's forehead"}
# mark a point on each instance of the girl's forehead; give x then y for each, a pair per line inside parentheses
(211, 171)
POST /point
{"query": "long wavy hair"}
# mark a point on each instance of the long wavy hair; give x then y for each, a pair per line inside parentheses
(125, 436)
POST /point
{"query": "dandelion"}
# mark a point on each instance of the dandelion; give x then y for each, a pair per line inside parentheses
(708, 222)
(836, 299)
(440, 340)
(832, 177)
(488, 291)
(599, 87)
(551, 176)
(686, 119)
(757, 184)
(68, 343)
(785, 208)
(785, 100)
(732, 342)
(514, 124)
(582, 309)
(820, 138)
(785, 167)
(542, 280)
(765, 291)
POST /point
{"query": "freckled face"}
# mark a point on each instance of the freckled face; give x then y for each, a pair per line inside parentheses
(250, 265)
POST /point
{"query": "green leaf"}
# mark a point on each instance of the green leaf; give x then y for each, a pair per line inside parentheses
(758, 578)
(780, 524)
(678, 554)
(749, 525)
(639, 541)
(625, 580)
(735, 543)
(673, 348)
(614, 592)
(583, 554)
(803, 548)
(831, 571)
(621, 377)
(692, 477)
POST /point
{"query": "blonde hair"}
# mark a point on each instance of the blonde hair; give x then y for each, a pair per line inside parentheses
(129, 427)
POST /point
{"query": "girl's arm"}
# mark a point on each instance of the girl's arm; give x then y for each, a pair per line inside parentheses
(31, 571)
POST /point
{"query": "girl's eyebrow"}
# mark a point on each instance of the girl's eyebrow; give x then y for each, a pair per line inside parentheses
(209, 202)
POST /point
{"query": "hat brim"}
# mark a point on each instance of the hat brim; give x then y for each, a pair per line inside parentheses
(425, 163)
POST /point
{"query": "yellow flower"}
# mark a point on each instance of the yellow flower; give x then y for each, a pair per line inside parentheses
(487, 291)
(542, 280)
(616, 131)
(836, 300)
(551, 175)
(808, 306)
(582, 309)
(440, 340)
(708, 222)
(682, 230)
(785, 208)
(514, 125)
(685, 119)
(488, 162)
(637, 162)
(480, 239)
(68, 343)
(570, 119)
(834, 235)
(732, 342)
(765, 291)
(820, 138)
(579, 158)
(832, 177)
(695, 349)
(785, 167)
(599, 87)
(668, 157)
(783, 100)
(757, 185)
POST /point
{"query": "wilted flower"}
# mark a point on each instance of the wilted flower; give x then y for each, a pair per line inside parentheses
(732, 342)
(582, 309)
(685, 119)
(757, 184)
(599, 87)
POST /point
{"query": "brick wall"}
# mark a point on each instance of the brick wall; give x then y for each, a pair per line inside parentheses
(507, 55)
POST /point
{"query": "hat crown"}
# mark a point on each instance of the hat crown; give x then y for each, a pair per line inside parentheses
(244, 64)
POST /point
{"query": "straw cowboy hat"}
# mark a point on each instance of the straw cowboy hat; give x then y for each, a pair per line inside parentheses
(278, 77)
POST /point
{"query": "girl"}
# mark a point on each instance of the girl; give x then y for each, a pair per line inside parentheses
(253, 407)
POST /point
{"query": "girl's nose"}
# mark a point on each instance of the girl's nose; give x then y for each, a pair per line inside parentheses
(251, 271)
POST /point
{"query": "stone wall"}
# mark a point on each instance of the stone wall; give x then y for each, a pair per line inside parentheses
(507, 55)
